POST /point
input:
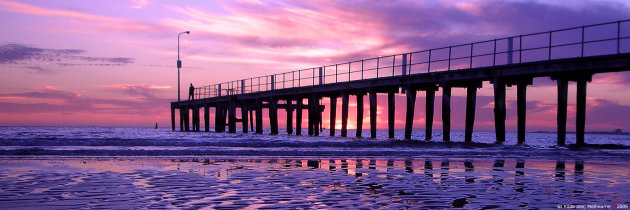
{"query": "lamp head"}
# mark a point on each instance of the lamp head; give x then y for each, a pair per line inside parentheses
(187, 32)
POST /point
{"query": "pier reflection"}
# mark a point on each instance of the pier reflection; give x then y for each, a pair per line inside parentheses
(326, 182)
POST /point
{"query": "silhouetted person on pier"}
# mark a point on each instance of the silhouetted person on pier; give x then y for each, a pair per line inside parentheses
(191, 92)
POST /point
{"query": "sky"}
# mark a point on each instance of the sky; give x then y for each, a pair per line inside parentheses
(113, 63)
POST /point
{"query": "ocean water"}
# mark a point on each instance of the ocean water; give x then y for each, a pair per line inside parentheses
(131, 168)
(135, 141)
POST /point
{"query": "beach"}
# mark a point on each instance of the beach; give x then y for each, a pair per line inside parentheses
(309, 182)
(130, 168)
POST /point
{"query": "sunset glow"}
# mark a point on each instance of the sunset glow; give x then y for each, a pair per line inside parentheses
(85, 63)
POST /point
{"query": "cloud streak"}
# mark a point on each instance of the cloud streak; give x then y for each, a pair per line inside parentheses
(15, 53)
(237, 39)
(87, 20)
(143, 90)
(326, 32)
(61, 101)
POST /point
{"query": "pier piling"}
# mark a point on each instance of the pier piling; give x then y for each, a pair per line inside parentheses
(172, 119)
(196, 119)
(471, 103)
(521, 103)
(372, 114)
(411, 103)
(206, 118)
(193, 121)
(311, 116)
(251, 120)
(181, 119)
(317, 114)
(359, 114)
(344, 114)
(446, 112)
(259, 117)
(521, 100)
(499, 110)
(273, 115)
(580, 118)
(219, 120)
(187, 119)
(244, 118)
(298, 117)
(333, 114)
(232, 118)
(563, 86)
(289, 109)
(430, 100)
(391, 107)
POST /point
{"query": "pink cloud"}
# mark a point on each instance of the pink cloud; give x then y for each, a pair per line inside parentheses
(87, 20)
(48, 105)
(143, 90)
(10, 6)
(263, 37)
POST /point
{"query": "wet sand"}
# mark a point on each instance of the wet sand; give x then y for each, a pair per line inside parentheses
(310, 182)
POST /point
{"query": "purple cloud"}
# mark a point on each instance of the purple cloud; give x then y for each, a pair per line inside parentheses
(66, 101)
(14, 53)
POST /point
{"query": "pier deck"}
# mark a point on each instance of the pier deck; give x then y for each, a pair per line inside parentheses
(503, 62)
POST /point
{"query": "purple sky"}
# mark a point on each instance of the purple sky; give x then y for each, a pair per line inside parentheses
(113, 63)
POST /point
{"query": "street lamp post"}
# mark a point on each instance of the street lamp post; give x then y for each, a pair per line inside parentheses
(179, 65)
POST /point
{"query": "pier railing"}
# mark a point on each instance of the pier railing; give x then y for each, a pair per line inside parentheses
(590, 40)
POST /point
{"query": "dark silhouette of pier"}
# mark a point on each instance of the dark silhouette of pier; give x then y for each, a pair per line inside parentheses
(566, 55)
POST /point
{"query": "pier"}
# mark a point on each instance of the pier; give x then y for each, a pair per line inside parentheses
(566, 55)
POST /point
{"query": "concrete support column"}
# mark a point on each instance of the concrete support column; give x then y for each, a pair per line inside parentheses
(273, 116)
(333, 114)
(258, 117)
(197, 119)
(206, 118)
(173, 119)
(193, 121)
(471, 102)
(219, 120)
(373, 114)
(391, 107)
(429, 114)
(359, 115)
(193, 111)
(298, 117)
(411, 103)
(197, 109)
(232, 118)
(321, 116)
(580, 118)
(316, 116)
(251, 120)
(225, 115)
(563, 86)
(289, 116)
(244, 118)
(521, 103)
(446, 112)
(499, 110)
(198, 115)
(181, 119)
(187, 119)
(345, 98)
(311, 116)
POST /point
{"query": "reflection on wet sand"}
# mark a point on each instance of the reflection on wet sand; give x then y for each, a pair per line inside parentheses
(309, 182)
